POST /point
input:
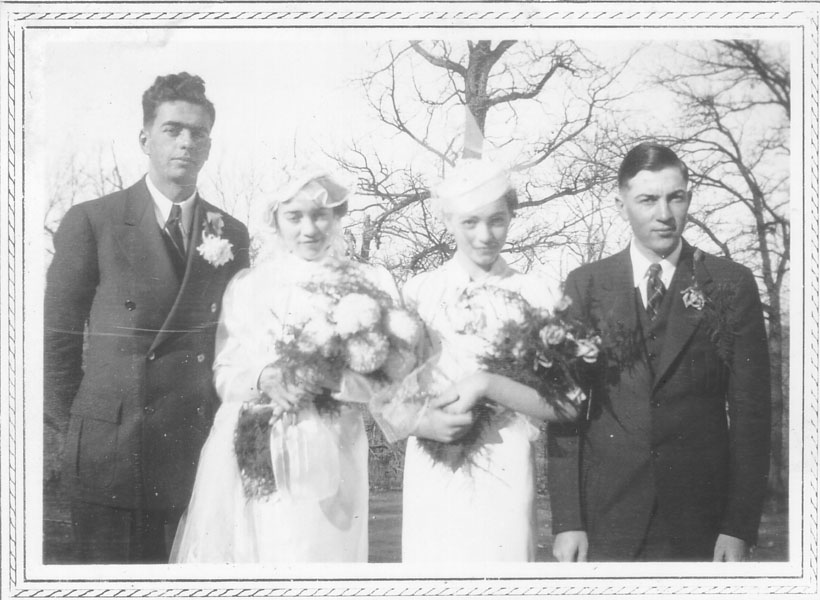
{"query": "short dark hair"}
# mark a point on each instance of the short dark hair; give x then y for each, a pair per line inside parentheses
(648, 156)
(511, 198)
(172, 88)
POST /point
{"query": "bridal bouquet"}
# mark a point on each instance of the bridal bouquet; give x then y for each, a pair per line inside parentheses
(344, 336)
(506, 335)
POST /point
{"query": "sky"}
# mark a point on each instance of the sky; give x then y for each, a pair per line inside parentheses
(280, 94)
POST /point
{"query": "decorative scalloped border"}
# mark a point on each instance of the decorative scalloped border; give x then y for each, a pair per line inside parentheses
(369, 16)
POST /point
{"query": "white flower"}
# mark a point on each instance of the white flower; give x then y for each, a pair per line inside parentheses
(588, 349)
(317, 334)
(367, 352)
(399, 364)
(355, 313)
(215, 250)
(576, 395)
(403, 326)
(693, 296)
(552, 335)
(563, 304)
(306, 306)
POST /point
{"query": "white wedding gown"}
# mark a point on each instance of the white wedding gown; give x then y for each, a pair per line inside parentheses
(483, 511)
(323, 516)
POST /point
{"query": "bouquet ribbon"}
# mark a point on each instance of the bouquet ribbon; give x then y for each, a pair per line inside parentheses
(305, 457)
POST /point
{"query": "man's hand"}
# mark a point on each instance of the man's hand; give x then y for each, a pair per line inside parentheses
(570, 546)
(436, 424)
(730, 549)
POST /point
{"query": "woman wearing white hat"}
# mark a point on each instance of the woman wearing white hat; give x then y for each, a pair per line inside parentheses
(482, 510)
(318, 508)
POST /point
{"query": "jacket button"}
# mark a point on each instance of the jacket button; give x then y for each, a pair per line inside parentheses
(130, 304)
(149, 410)
(656, 404)
(652, 356)
(200, 358)
(214, 307)
(654, 453)
(653, 337)
(200, 411)
(152, 356)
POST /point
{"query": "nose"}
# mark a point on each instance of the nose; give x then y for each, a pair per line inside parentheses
(309, 227)
(662, 212)
(185, 139)
(483, 233)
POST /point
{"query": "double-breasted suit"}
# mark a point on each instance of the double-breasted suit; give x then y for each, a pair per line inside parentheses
(135, 389)
(679, 422)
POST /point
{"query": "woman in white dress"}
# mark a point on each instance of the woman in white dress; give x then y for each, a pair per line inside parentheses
(483, 511)
(319, 512)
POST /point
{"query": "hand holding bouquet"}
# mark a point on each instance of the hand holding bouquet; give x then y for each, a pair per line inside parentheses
(345, 339)
(504, 335)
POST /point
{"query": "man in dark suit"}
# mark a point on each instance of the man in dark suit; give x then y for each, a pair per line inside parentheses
(132, 301)
(672, 462)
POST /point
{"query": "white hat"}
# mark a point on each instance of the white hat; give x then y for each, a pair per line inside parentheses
(316, 183)
(472, 183)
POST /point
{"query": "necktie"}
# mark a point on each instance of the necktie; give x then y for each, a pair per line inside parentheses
(174, 240)
(654, 290)
(174, 228)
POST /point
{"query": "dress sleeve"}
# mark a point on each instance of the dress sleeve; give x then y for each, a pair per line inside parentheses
(540, 291)
(243, 345)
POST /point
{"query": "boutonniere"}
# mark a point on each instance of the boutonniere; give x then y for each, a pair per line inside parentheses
(717, 307)
(693, 297)
(214, 248)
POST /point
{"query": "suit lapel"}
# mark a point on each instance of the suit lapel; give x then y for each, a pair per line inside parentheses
(619, 289)
(683, 321)
(142, 246)
(197, 284)
(172, 323)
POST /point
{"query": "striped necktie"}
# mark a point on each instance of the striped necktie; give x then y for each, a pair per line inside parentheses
(654, 291)
(174, 228)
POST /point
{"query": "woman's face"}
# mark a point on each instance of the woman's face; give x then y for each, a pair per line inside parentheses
(305, 227)
(481, 233)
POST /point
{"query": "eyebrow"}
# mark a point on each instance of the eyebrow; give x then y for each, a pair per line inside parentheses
(183, 125)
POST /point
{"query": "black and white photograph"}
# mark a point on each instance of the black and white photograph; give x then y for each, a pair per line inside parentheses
(428, 299)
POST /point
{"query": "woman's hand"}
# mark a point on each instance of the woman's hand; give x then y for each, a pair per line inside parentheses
(284, 398)
(464, 394)
(441, 426)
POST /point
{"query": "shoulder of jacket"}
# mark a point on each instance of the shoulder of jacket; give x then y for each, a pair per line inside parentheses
(720, 266)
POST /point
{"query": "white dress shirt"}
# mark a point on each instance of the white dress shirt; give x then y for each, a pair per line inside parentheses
(162, 208)
(640, 268)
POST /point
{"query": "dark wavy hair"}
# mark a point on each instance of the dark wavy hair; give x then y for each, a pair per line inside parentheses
(172, 88)
(648, 156)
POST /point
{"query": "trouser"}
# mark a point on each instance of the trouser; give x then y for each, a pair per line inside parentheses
(661, 543)
(112, 535)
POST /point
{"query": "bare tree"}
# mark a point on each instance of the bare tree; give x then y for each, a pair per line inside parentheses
(536, 104)
(735, 96)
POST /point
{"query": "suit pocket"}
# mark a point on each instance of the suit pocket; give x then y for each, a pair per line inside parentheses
(97, 437)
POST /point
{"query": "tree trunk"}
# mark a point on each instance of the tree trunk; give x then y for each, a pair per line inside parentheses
(779, 463)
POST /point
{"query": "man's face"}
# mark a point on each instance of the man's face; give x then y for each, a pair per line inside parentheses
(656, 204)
(177, 143)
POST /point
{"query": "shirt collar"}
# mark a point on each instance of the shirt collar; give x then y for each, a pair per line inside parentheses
(640, 264)
(463, 272)
(163, 204)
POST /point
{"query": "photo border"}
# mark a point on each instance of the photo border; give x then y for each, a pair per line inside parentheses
(18, 17)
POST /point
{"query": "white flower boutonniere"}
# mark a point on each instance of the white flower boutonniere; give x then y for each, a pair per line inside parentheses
(693, 297)
(214, 248)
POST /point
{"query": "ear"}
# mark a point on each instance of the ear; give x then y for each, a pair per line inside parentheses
(143, 138)
(619, 204)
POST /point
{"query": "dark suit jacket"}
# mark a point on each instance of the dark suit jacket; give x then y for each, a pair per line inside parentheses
(137, 397)
(693, 435)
